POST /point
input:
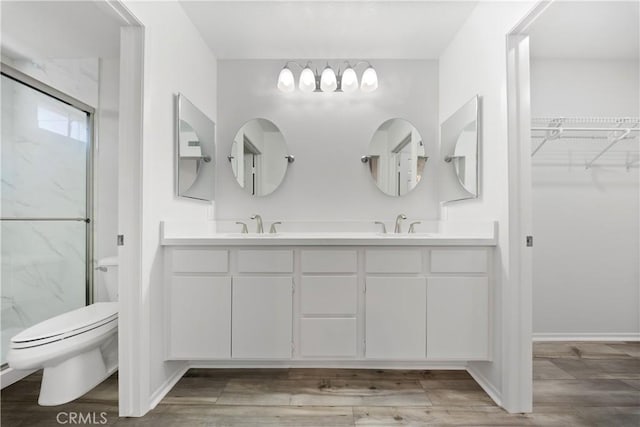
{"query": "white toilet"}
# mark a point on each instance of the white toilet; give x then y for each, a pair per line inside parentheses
(78, 349)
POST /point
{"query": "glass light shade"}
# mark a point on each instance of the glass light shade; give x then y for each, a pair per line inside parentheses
(307, 80)
(286, 82)
(349, 80)
(369, 80)
(328, 81)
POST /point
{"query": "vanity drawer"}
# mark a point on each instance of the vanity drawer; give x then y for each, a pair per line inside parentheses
(328, 337)
(258, 261)
(199, 261)
(329, 261)
(329, 295)
(459, 261)
(394, 261)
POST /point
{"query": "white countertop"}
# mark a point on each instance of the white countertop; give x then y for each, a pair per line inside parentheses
(193, 234)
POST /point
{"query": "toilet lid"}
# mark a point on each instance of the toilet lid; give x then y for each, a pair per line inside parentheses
(73, 321)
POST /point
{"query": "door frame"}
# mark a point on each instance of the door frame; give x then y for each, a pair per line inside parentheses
(518, 379)
(133, 316)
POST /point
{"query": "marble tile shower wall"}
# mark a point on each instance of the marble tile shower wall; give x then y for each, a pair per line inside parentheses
(43, 175)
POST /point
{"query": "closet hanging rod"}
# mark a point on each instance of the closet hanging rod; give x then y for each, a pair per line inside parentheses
(581, 120)
(581, 137)
(585, 129)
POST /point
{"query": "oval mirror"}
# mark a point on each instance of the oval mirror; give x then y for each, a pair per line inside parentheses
(259, 157)
(396, 157)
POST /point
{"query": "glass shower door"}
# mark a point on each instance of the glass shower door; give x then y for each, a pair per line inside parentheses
(45, 230)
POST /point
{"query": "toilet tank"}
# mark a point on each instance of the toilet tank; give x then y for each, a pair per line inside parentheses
(107, 275)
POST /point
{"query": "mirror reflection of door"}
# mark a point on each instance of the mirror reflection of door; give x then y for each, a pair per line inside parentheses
(252, 166)
(403, 179)
(258, 157)
(396, 157)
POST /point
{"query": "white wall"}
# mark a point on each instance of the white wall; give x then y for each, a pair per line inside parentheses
(176, 60)
(327, 133)
(586, 278)
(474, 63)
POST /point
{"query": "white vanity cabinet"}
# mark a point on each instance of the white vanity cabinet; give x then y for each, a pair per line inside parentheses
(458, 309)
(261, 319)
(262, 305)
(458, 318)
(396, 318)
(198, 303)
(395, 304)
(328, 305)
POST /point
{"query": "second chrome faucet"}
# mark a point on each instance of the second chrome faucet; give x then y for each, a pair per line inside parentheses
(259, 227)
(398, 226)
(399, 219)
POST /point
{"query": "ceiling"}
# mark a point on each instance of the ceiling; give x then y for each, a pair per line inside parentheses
(587, 30)
(59, 29)
(328, 29)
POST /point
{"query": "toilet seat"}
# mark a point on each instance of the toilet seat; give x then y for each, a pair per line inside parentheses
(67, 325)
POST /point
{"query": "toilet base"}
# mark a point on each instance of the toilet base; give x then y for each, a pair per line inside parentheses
(72, 378)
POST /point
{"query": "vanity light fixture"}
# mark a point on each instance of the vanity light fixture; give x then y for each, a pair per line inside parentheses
(329, 80)
(369, 80)
(307, 80)
(349, 80)
(286, 82)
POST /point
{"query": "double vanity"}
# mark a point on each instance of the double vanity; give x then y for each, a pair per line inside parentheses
(328, 294)
(328, 298)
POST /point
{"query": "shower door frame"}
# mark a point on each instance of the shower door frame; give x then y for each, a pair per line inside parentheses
(47, 90)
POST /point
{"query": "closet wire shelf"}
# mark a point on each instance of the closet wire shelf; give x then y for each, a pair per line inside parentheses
(611, 130)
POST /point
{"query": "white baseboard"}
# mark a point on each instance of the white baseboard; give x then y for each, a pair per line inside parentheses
(165, 388)
(486, 385)
(572, 336)
(9, 376)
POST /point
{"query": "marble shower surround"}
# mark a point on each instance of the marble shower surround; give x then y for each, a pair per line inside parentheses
(43, 175)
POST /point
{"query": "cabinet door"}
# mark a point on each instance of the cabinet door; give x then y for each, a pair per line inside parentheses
(262, 317)
(396, 317)
(458, 318)
(199, 318)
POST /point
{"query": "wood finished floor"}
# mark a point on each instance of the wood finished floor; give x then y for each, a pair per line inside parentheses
(575, 384)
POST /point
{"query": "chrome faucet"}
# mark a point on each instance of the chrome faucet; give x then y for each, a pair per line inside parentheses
(272, 229)
(384, 227)
(245, 230)
(258, 219)
(399, 219)
(412, 227)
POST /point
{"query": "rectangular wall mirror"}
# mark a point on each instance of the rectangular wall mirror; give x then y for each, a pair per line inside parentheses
(459, 144)
(195, 152)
